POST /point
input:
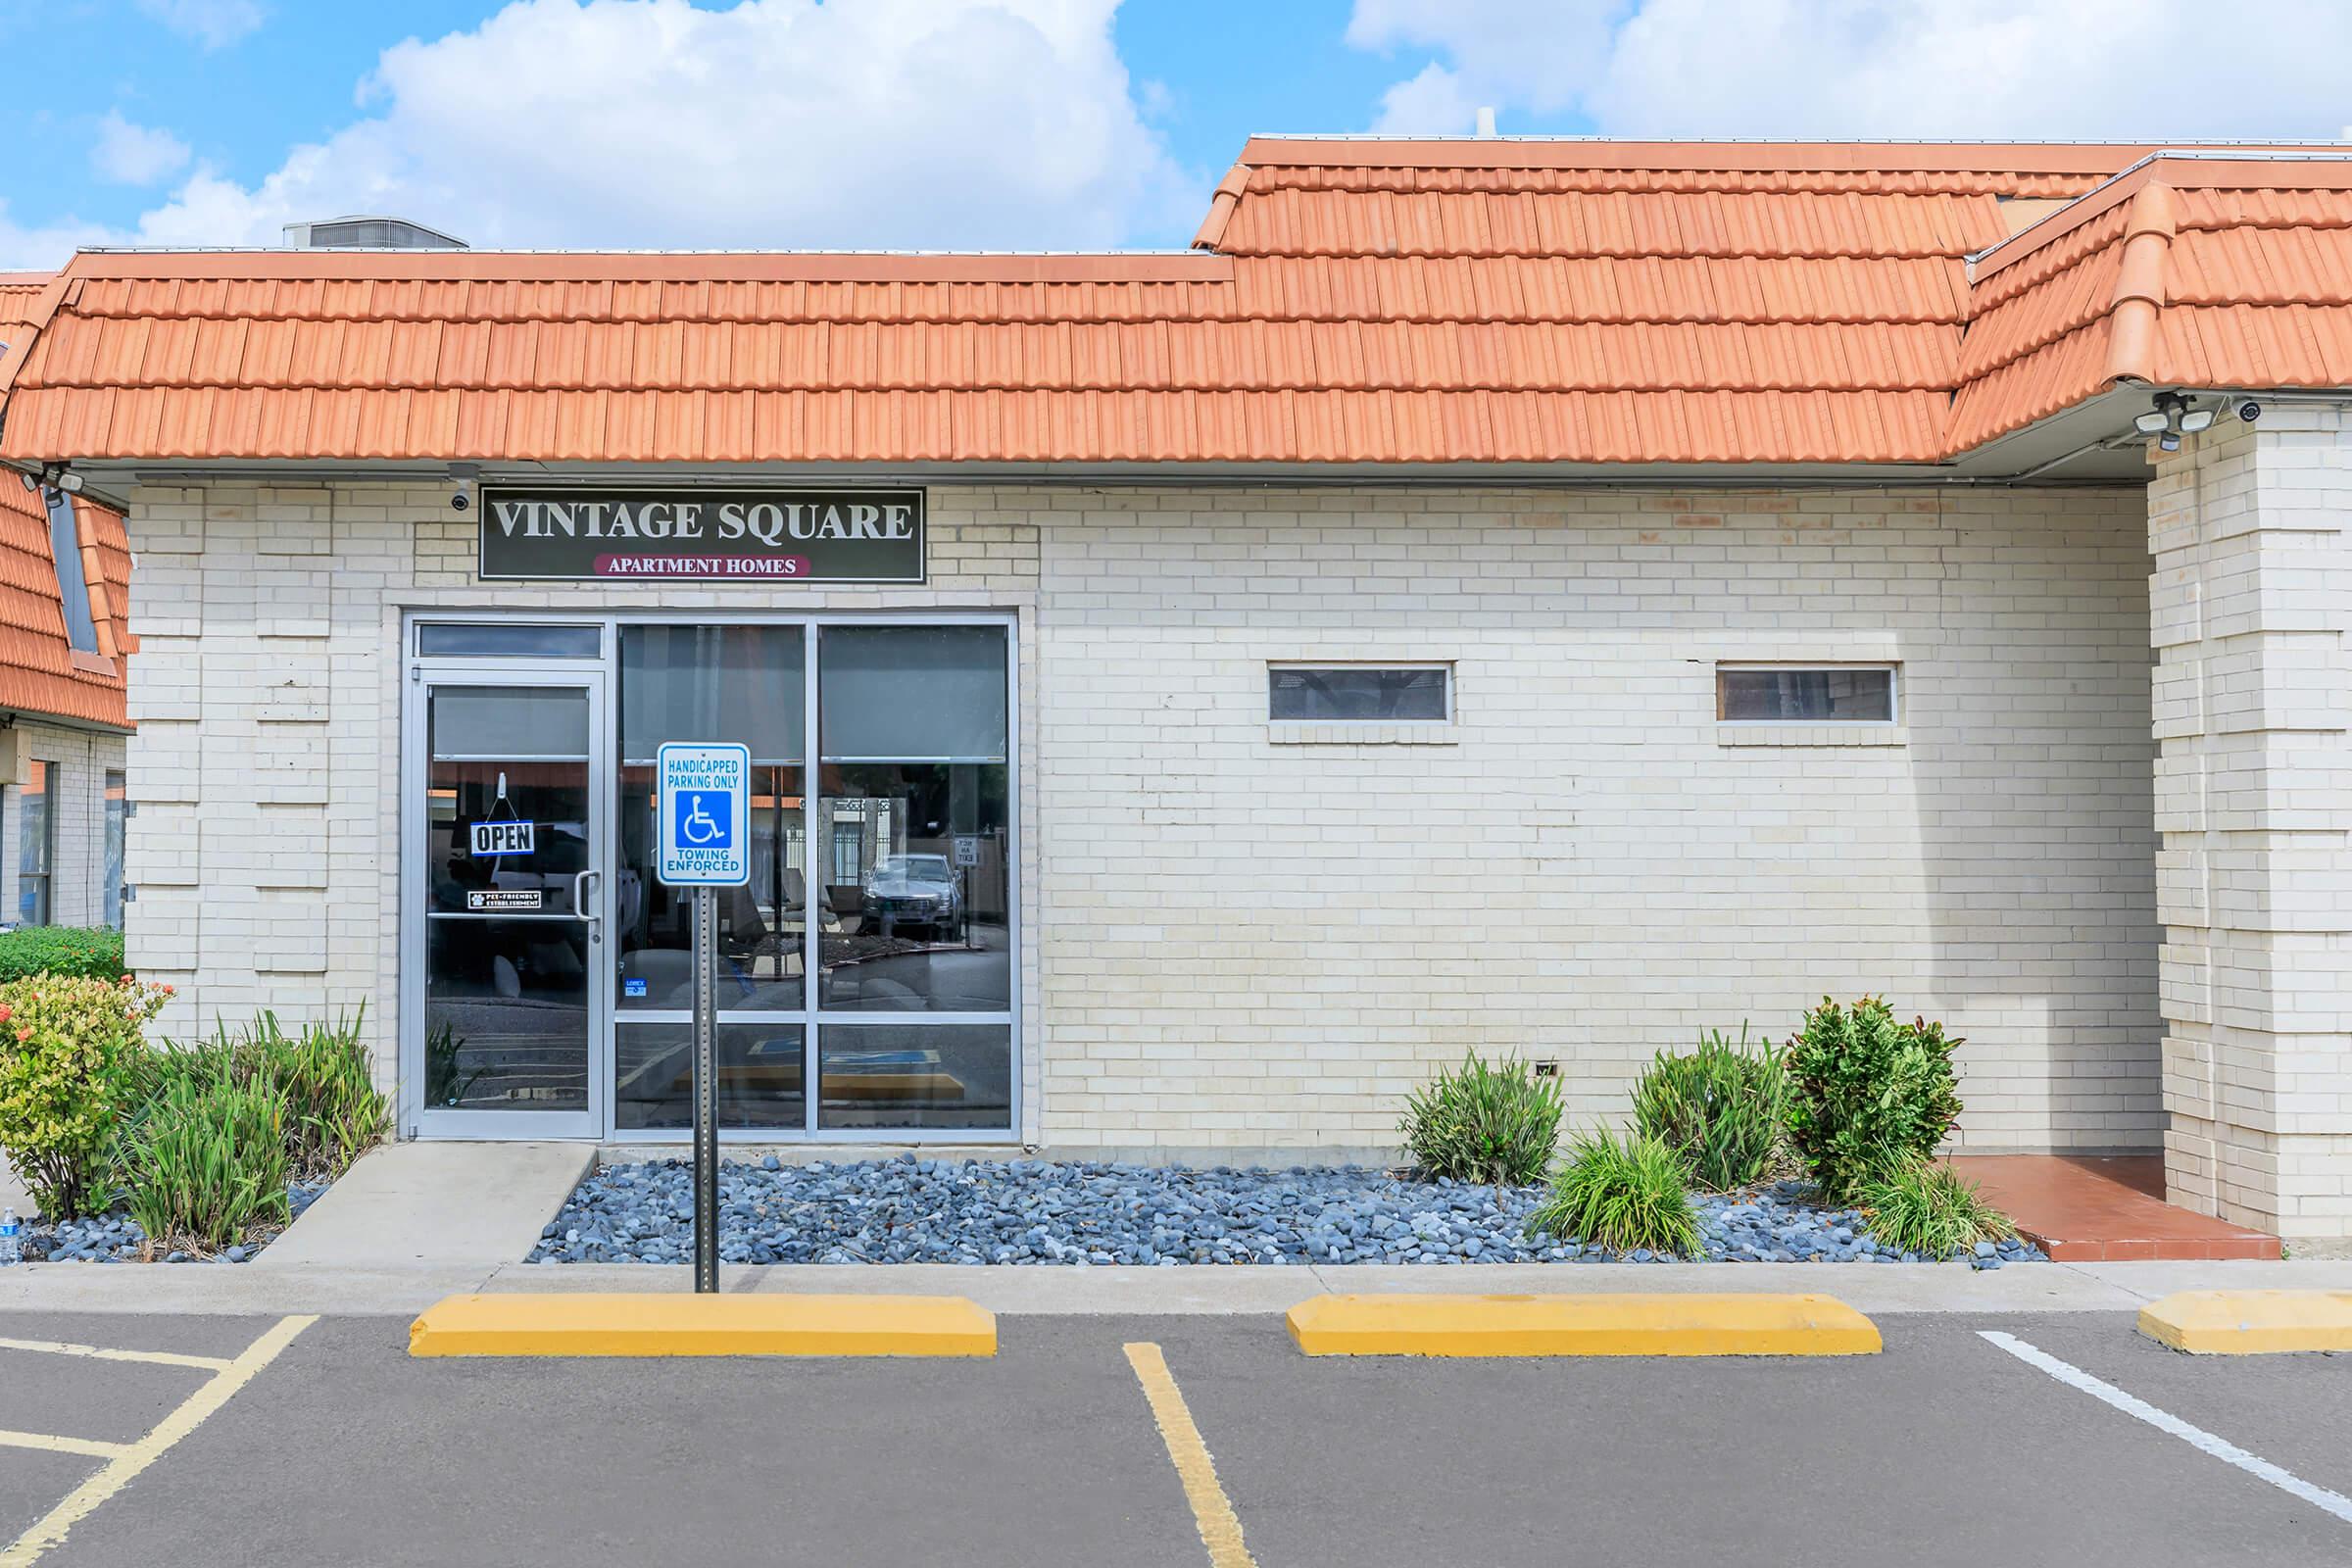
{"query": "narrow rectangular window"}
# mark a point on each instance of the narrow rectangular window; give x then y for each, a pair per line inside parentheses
(72, 589)
(117, 811)
(1819, 693)
(1359, 694)
(36, 836)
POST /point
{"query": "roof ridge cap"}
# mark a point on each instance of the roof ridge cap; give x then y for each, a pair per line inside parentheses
(2149, 225)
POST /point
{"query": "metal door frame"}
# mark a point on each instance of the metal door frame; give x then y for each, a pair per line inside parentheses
(594, 679)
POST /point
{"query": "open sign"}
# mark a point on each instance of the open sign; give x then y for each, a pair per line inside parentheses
(503, 838)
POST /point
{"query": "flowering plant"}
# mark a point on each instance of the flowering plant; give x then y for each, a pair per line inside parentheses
(65, 1043)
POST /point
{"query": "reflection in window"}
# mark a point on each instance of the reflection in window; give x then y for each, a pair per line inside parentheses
(759, 1067)
(36, 841)
(118, 812)
(915, 821)
(1860, 695)
(1358, 694)
(505, 1015)
(903, 1075)
(741, 685)
(501, 753)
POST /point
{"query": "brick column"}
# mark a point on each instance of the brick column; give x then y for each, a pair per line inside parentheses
(2250, 600)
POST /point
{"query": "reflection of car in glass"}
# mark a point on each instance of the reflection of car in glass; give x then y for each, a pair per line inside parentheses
(906, 890)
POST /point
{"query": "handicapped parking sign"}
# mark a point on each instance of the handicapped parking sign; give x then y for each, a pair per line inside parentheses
(704, 812)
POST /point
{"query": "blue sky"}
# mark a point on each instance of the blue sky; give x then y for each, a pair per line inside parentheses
(990, 124)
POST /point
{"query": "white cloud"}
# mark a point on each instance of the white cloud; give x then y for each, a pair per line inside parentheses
(210, 22)
(2131, 69)
(939, 123)
(129, 154)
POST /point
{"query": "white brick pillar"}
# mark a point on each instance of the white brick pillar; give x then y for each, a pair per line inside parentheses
(2249, 604)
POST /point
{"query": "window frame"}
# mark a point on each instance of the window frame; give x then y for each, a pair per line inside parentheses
(46, 874)
(1443, 666)
(1894, 718)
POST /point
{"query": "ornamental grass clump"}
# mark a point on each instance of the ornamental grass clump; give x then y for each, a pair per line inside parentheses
(1624, 1193)
(1868, 1095)
(320, 1074)
(207, 1162)
(65, 1043)
(1929, 1208)
(1489, 1122)
(1720, 1108)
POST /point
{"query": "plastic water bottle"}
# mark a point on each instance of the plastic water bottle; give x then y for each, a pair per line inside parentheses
(11, 1239)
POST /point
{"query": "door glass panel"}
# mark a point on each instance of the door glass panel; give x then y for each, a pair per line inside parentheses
(713, 683)
(916, 1075)
(508, 969)
(759, 1076)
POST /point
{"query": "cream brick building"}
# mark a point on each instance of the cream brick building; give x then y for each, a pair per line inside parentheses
(1435, 614)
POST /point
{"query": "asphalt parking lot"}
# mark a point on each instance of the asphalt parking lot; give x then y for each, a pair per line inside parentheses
(1946, 1448)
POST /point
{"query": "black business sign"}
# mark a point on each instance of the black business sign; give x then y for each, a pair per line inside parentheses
(704, 535)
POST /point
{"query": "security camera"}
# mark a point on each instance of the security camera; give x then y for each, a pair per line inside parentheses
(2249, 411)
(460, 499)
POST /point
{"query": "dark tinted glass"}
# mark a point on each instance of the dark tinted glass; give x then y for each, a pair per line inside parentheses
(916, 1075)
(1378, 696)
(507, 640)
(1806, 695)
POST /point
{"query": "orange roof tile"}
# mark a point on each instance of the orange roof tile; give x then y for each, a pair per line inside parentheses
(1350, 301)
(2189, 270)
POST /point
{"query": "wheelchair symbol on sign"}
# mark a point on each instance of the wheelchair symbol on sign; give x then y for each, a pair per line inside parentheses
(698, 826)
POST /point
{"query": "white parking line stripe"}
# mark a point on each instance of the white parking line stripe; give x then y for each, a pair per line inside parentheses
(2195, 1437)
(204, 1363)
(125, 1466)
(89, 1447)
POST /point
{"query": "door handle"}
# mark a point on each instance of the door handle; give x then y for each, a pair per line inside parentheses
(581, 909)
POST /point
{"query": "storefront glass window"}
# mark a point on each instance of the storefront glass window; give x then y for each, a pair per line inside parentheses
(914, 827)
(759, 1067)
(713, 683)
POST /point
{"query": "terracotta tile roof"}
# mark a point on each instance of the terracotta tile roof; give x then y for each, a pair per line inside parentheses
(39, 672)
(2191, 272)
(1354, 301)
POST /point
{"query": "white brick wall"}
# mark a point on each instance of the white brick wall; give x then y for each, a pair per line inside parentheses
(79, 761)
(1246, 937)
(2252, 597)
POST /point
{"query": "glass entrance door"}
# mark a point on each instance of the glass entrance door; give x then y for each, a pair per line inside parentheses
(509, 802)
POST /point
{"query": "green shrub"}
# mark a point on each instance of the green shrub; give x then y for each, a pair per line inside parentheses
(1930, 1208)
(61, 950)
(332, 1113)
(64, 1045)
(1487, 1122)
(1621, 1194)
(208, 1161)
(1868, 1095)
(1720, 1108)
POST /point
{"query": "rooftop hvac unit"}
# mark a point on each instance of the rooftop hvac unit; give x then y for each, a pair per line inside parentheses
(363, 233)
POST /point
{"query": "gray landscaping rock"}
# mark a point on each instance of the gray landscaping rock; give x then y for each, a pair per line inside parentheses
(1087, 1215)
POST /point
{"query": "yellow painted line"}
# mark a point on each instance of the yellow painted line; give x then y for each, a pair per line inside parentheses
(89, 1446)
(646, 1324)
(1580, 1325)
(205, 1363)
(1212, 1511)
(2250, 1322)
(122, 1468)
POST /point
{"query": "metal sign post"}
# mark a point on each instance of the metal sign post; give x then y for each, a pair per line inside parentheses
(703, 817)
(705, 1090)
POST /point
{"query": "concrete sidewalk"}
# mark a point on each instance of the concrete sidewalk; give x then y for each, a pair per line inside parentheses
(1195, 1290)
(433, 1206)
